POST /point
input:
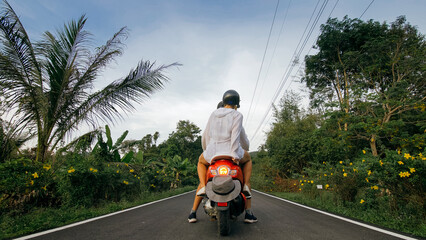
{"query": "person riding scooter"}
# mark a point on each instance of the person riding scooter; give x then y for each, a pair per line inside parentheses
(224, 135)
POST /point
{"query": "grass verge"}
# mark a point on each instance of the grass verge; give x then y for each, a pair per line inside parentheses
(13, 225)
(377, 216)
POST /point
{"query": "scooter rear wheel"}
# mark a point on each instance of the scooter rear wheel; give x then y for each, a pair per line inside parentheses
(224, 222)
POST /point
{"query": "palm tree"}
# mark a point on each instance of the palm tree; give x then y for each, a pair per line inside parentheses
(47, 85)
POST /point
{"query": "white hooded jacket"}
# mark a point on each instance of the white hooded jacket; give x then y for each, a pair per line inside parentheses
(224, 135)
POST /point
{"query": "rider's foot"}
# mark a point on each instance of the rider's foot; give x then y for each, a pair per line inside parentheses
(250, 218)
(246, 191)
(202, 192)
(192, 217)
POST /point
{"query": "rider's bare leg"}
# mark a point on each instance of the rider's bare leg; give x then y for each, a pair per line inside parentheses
(202, 170)
(197, 199)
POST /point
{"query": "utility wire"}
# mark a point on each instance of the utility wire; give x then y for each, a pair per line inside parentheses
(272, 57)
(295, 56)
(263, 59)
(300, 66)
(366, 9)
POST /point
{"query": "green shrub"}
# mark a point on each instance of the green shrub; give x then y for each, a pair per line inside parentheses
(85, 181)
(25, 184)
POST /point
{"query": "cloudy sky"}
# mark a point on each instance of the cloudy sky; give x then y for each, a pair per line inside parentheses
(221, 44)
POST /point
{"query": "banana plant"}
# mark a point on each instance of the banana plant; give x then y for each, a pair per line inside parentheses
(109, 150)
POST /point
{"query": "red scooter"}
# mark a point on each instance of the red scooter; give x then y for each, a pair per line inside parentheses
(225, 200)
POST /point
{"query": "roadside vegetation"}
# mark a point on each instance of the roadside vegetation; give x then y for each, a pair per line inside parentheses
(359, 149)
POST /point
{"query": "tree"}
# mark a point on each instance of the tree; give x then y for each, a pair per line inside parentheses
(374, 72)
(290, 142)
(46, 85)
(184, 142)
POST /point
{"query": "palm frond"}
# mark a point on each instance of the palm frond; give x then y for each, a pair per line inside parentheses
(20, 73)
(105, 105)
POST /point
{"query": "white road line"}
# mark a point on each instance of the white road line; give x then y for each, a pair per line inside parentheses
(97, 218)
(341, 218)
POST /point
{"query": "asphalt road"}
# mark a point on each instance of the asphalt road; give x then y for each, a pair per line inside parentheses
(168, 220)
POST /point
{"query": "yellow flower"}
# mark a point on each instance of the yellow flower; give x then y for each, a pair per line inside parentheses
(399, 151)
(126, 182)
(363, 160)
(47, 167)
(44, 188)
(375, 187)
(301, 184)
(91, 169)
(323, 163)
(381, 163)
(363, 151)
(369, 172)
(327, 186)
(412, 170)
(345, 174)
(404, 174)
(400, 162)
(312, 181)
(355, 170)
(131, 170)
(304, 180)
(350, 164)
(32, 182)
(300, 189)
(325, 175)
(407, 155)
(366, 179)
(95, 170)
(118, 171)
(71, 170)
(301, 181)
(35, 175)
(331, 174)
(362, 201)
(341, 162)
(343, 170)
(127, 165)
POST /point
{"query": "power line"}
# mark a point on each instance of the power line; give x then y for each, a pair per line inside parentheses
(273, 54)
(263, 59)
(292, 63)
(366, 9)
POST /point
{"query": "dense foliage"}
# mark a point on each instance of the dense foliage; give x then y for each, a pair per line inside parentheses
(86, 173)
(363, 138)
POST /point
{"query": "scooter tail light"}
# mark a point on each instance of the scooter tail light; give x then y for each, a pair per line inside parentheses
(213, 172)
(223, 170)
(222, 204)
(233, 172)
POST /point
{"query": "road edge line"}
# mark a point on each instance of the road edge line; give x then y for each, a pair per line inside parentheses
(97, 218)
(342, 218)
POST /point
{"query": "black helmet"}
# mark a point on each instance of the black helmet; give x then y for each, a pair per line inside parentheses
(220, 104)
(231, 97)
